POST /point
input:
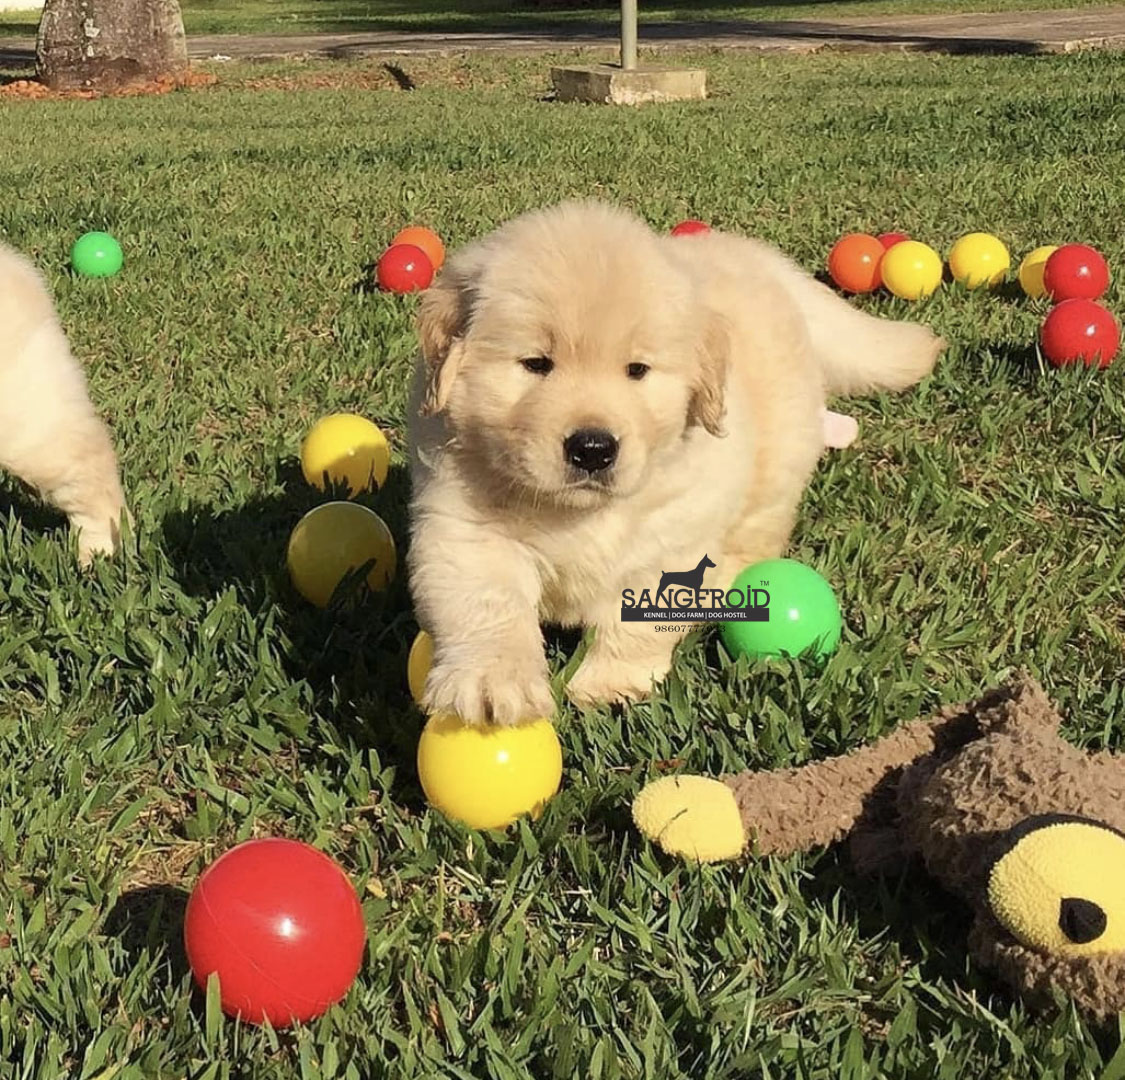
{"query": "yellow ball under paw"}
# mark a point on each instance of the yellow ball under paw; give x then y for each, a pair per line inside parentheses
(691, 816)
(487, 776)
(346, 449)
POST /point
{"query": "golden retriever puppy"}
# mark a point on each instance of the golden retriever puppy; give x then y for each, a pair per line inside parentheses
(596, 404)
(50, 435)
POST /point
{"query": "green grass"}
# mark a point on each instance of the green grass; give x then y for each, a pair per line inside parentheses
(166, 705)
(307, 16)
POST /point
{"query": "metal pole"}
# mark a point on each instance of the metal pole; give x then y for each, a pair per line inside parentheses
(628, 35)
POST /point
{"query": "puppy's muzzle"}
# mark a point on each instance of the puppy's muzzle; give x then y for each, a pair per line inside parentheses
(591, 450)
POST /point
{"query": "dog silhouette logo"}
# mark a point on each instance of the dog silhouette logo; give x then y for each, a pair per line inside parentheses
(681, 597)
(689, 579)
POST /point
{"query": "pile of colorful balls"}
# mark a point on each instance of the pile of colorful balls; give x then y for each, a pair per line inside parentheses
(1074, 277)
(410, 261)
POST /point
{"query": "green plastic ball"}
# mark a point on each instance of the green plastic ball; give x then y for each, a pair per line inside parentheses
(96, 254)
(803, 613)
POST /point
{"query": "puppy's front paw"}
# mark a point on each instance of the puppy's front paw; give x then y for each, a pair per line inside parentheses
(98, 535)
(502, 691)
(93, 541)
(601, 679)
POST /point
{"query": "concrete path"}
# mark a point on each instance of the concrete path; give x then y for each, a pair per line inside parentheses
(1007, 32)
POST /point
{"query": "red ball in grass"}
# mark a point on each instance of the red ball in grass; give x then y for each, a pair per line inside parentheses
(1075, 272)
(280, 924)
(889, 239)
(404, 268)
(853, 263)
(1080, 330)
(690, 228)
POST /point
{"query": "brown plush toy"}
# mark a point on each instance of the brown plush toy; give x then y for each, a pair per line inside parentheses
(1003, 812)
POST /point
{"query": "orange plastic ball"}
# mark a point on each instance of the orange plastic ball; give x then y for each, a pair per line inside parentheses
(854, 263)
(423, 238)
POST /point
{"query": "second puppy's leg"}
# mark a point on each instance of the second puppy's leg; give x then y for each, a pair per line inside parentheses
(51, 438)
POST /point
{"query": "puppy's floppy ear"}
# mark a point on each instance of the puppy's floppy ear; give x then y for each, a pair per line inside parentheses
(442, 320)
(708, 395)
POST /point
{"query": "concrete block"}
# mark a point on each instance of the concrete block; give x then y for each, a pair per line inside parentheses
(610, 85)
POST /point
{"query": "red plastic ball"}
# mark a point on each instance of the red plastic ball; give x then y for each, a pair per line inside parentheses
(853, 263)
(1075, 272)
(889, 239)
(690, 228)
(1080, 330)
(404, 268)
(281, 925)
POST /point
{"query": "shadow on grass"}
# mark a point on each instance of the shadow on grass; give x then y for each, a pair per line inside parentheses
(353, 653)
(1022, 360)
(151, 920)
(19, 504)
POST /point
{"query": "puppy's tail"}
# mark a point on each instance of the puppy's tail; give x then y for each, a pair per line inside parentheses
(860, 353)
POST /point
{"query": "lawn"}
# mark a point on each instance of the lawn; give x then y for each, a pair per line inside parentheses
(164, 706)
(307, 16)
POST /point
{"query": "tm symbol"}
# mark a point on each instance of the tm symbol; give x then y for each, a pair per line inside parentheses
(764, 583)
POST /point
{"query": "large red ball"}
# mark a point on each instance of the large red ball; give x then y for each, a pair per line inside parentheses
(281, 925)
(690, 228)
(1080, 330)
(404, 268)
(854, 263)
(1075, 272)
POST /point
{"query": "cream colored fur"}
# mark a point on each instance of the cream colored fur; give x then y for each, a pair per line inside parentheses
(717, 440)
(50, 435)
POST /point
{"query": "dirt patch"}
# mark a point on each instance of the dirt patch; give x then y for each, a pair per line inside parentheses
(387, 74)
(33, 90)
(166, 865)
(371, 75)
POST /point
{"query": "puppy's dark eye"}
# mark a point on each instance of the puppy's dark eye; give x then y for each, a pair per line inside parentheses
(636, 370)
(538, 365)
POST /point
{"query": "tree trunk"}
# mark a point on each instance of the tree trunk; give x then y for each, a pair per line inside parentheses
(104, 44)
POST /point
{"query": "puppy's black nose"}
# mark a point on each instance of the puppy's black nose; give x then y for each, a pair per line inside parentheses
(592, 450)
(1081, 920)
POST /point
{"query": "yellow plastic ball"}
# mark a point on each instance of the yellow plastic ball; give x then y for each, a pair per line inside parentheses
(418, 664)
(333, 540)
(1031, 270)
(348, 449)
(487, 777)
(979, 259)
(911, 270)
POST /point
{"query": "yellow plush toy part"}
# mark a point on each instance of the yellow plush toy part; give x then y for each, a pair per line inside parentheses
(691, 816)
(1061, 887)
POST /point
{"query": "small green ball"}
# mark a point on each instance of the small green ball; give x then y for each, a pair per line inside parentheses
(96, 254)
(803, 612)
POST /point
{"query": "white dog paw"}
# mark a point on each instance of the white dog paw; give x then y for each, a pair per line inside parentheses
(98, 535)
(602, 680)
(500, 692)
(839, 430)
(93, 542)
